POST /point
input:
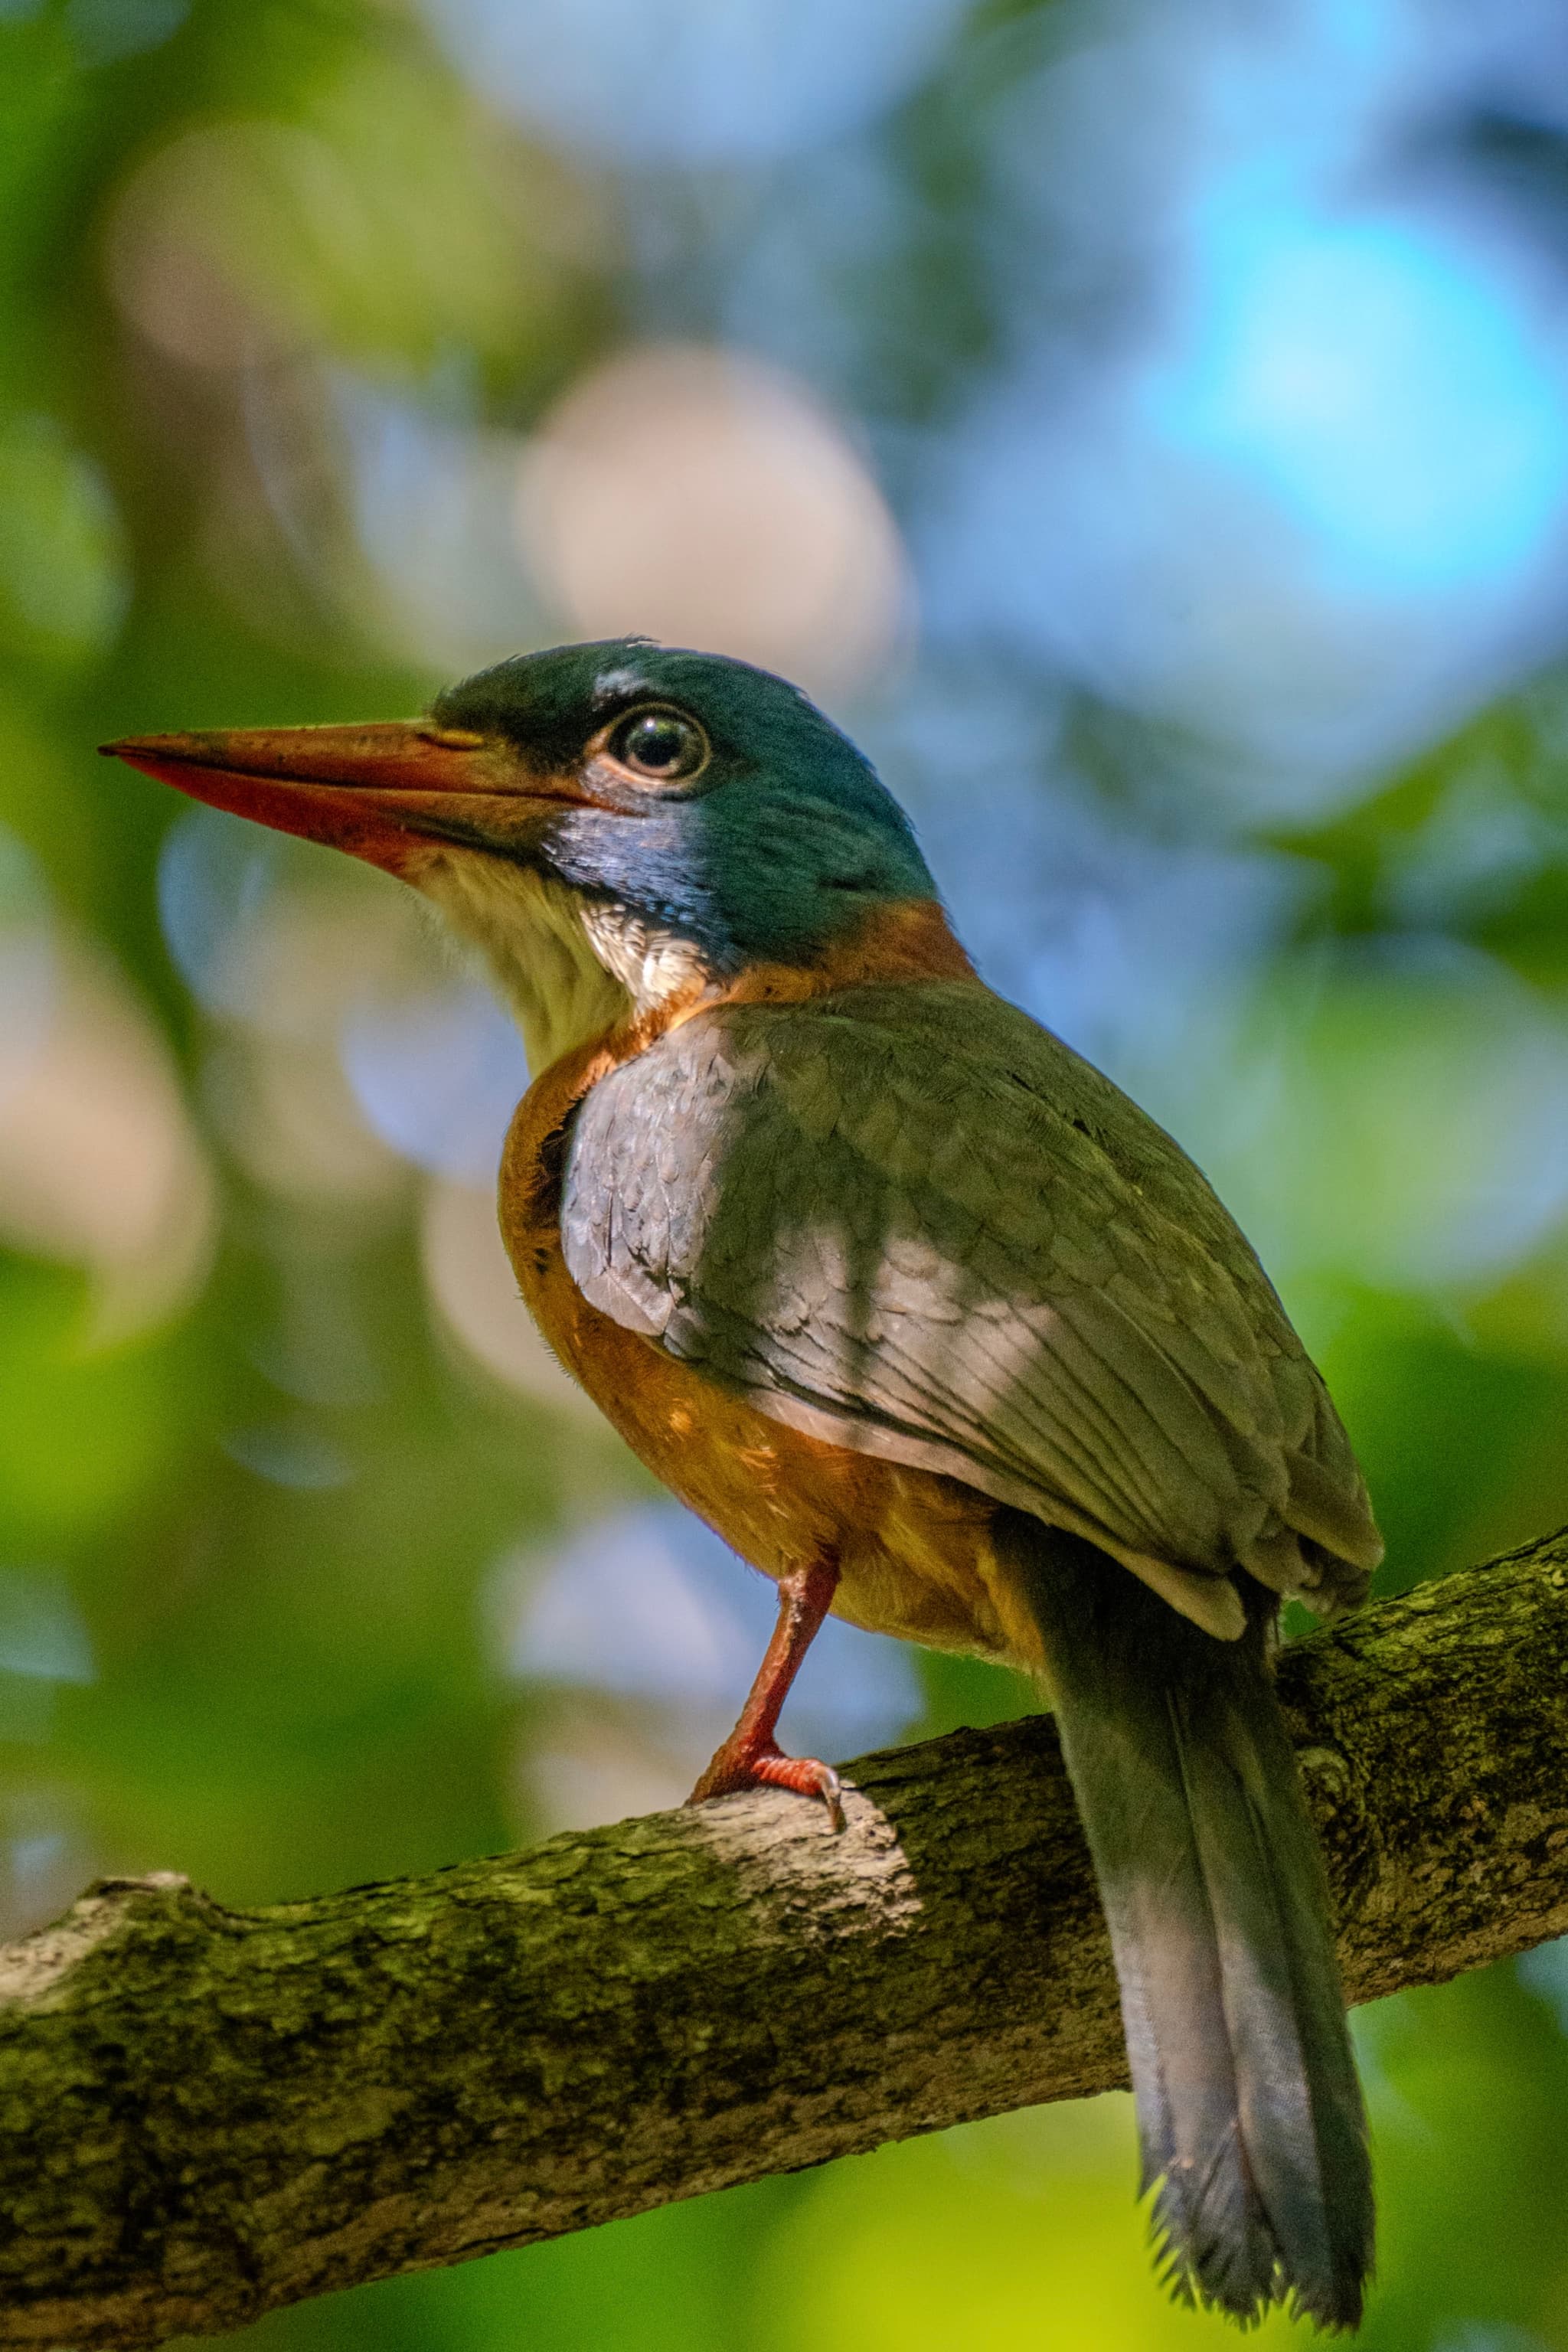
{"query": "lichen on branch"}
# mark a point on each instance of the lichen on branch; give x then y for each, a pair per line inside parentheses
(205, 2113)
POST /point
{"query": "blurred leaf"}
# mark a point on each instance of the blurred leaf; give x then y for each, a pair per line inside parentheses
(82, 1441)
(1467, 2085)
(62, 573)
(1023, 2230)
(1462, 1445)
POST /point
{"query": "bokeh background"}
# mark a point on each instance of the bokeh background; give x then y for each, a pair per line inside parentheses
(1147, 429)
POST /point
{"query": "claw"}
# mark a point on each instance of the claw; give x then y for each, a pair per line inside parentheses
(763, 1766)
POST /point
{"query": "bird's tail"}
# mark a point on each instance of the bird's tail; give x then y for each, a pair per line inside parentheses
(1250, 2112)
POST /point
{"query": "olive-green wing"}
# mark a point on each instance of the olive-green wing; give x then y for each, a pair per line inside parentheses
(912, 1222)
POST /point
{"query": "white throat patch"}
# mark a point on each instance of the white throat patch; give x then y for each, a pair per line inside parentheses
(652, 965)
(567, 969)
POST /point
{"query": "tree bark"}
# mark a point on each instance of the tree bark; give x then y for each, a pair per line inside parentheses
(207, 2113)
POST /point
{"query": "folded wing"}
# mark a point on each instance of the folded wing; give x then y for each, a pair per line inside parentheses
(912, 1222)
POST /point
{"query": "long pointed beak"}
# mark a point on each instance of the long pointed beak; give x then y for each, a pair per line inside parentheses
(388, 792)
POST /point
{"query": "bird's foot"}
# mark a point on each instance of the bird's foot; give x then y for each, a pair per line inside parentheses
(759, 1764)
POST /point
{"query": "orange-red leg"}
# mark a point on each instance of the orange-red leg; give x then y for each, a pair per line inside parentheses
(750, 1758)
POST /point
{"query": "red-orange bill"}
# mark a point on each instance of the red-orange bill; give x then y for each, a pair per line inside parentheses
(383, 791)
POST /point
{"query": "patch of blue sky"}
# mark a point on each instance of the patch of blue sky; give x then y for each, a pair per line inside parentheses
(1283, 460)
(436, 1074)
(1388, 388)
(648, 1604)
(104, 31)
(44, 1642)
(435, 504)
(1489, 2335)
(42, 1636)
(290, 1455)
(28, 963)
(34, 1858)
(216, 877)
(1544, 1972)
(641, 83)
(439, 1078)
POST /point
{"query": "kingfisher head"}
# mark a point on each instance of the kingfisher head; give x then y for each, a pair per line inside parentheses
(615, 825)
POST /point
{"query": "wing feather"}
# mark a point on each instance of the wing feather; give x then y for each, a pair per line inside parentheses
(912, 1220)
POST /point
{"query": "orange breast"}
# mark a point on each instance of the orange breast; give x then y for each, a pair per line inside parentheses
(914, 1549)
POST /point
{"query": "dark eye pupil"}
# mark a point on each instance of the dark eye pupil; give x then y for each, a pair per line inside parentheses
(657, 742)
(660, 744)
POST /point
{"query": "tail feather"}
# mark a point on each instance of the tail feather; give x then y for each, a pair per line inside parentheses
(1250, 2116)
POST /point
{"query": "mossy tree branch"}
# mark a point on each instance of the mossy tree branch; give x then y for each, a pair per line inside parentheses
(205, 2113)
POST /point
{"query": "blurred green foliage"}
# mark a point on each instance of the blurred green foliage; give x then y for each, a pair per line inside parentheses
(292, 1686)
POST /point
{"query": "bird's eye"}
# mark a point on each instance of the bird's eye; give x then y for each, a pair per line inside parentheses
(660, 744)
